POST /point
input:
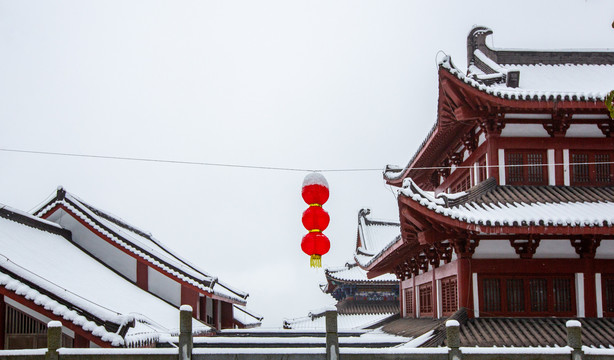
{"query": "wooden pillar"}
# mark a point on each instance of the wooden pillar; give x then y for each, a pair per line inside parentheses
(216, 317)
(590, 291)
(189, 296)
(434, 295)
(558, 169)
(465, 298)
(142, 277)
(492, 152)
(227, 316)
(80, 341)
(2, 322)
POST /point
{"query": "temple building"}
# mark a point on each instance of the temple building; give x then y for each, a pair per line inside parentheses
(507, 207)
(109, 283)
(362, 303)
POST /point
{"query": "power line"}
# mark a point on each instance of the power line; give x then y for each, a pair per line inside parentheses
(275, 168)
(182, 162)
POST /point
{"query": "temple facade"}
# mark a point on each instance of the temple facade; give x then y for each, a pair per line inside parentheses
(507, 206)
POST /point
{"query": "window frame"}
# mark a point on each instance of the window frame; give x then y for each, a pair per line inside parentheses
(504, 308)
(591, 167)
(524, 168)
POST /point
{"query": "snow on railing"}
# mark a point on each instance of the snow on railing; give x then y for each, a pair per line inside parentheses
(184, 349)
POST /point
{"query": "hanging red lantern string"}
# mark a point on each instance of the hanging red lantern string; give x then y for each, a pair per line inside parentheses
(315, 218)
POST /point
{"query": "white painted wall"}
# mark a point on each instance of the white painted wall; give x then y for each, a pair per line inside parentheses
(605, 250)
(100, 248)
(552, 249)
(598, 295)
(566, 174)
(584, 131)
(476, 297)
(163, 286)
(501, 167)
(524, 130)
(495, 249)
(580, 294)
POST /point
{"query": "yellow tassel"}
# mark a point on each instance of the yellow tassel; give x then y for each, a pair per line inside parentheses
(316, 261)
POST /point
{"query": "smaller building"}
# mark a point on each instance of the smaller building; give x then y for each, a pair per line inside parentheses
(362, 303)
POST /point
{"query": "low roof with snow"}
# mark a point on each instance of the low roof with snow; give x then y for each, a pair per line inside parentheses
(354, 274)
(490, 208)
(141, 244)
(374, 236)
(316, 320)
(246, 317)
(39, 263)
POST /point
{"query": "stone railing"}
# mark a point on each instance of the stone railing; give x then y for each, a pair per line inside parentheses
(185, 351)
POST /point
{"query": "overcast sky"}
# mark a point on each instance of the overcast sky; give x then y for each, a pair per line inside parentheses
(296, 84)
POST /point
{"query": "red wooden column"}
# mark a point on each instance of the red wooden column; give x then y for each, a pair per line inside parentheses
(216, 318)
(189, 296)
(590, 298)
(465, 297)
(80, 341)
(142, 277)
(492, 152)
(227, 316)
(558, 169)
(2, 322)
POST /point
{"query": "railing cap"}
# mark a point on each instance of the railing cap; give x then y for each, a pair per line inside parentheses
(573, 323)
(450, 323)
(54, 324)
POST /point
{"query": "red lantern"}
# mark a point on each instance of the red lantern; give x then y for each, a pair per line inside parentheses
(315, 244)
(315, 219)
(315, 189)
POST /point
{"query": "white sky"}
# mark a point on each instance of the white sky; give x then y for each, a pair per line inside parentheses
(301, 84)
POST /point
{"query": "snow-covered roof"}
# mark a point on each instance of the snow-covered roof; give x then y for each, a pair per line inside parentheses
(49, 270)
(354, 273)
(585, 74)
(489, 204)
(509, 80)
(543, 82)
(374, 236)
(246, 317)
(142, 244)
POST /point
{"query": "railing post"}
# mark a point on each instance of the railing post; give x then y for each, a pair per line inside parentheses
(185, 332)
(574, 339)
(453, 339)
(332, 337)
(54, 340)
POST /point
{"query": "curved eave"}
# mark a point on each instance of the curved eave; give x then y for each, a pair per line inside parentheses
(456, 225)
(461, 96)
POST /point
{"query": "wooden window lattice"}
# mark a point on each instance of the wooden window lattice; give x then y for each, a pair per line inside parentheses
(602, 171)
(580, 168)
(449, 298)
(608, 287)
(525, 167)
(426, 299)
(492, 295)
(538, 288)
(562, 295)
(515, 295)
(409, 302)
